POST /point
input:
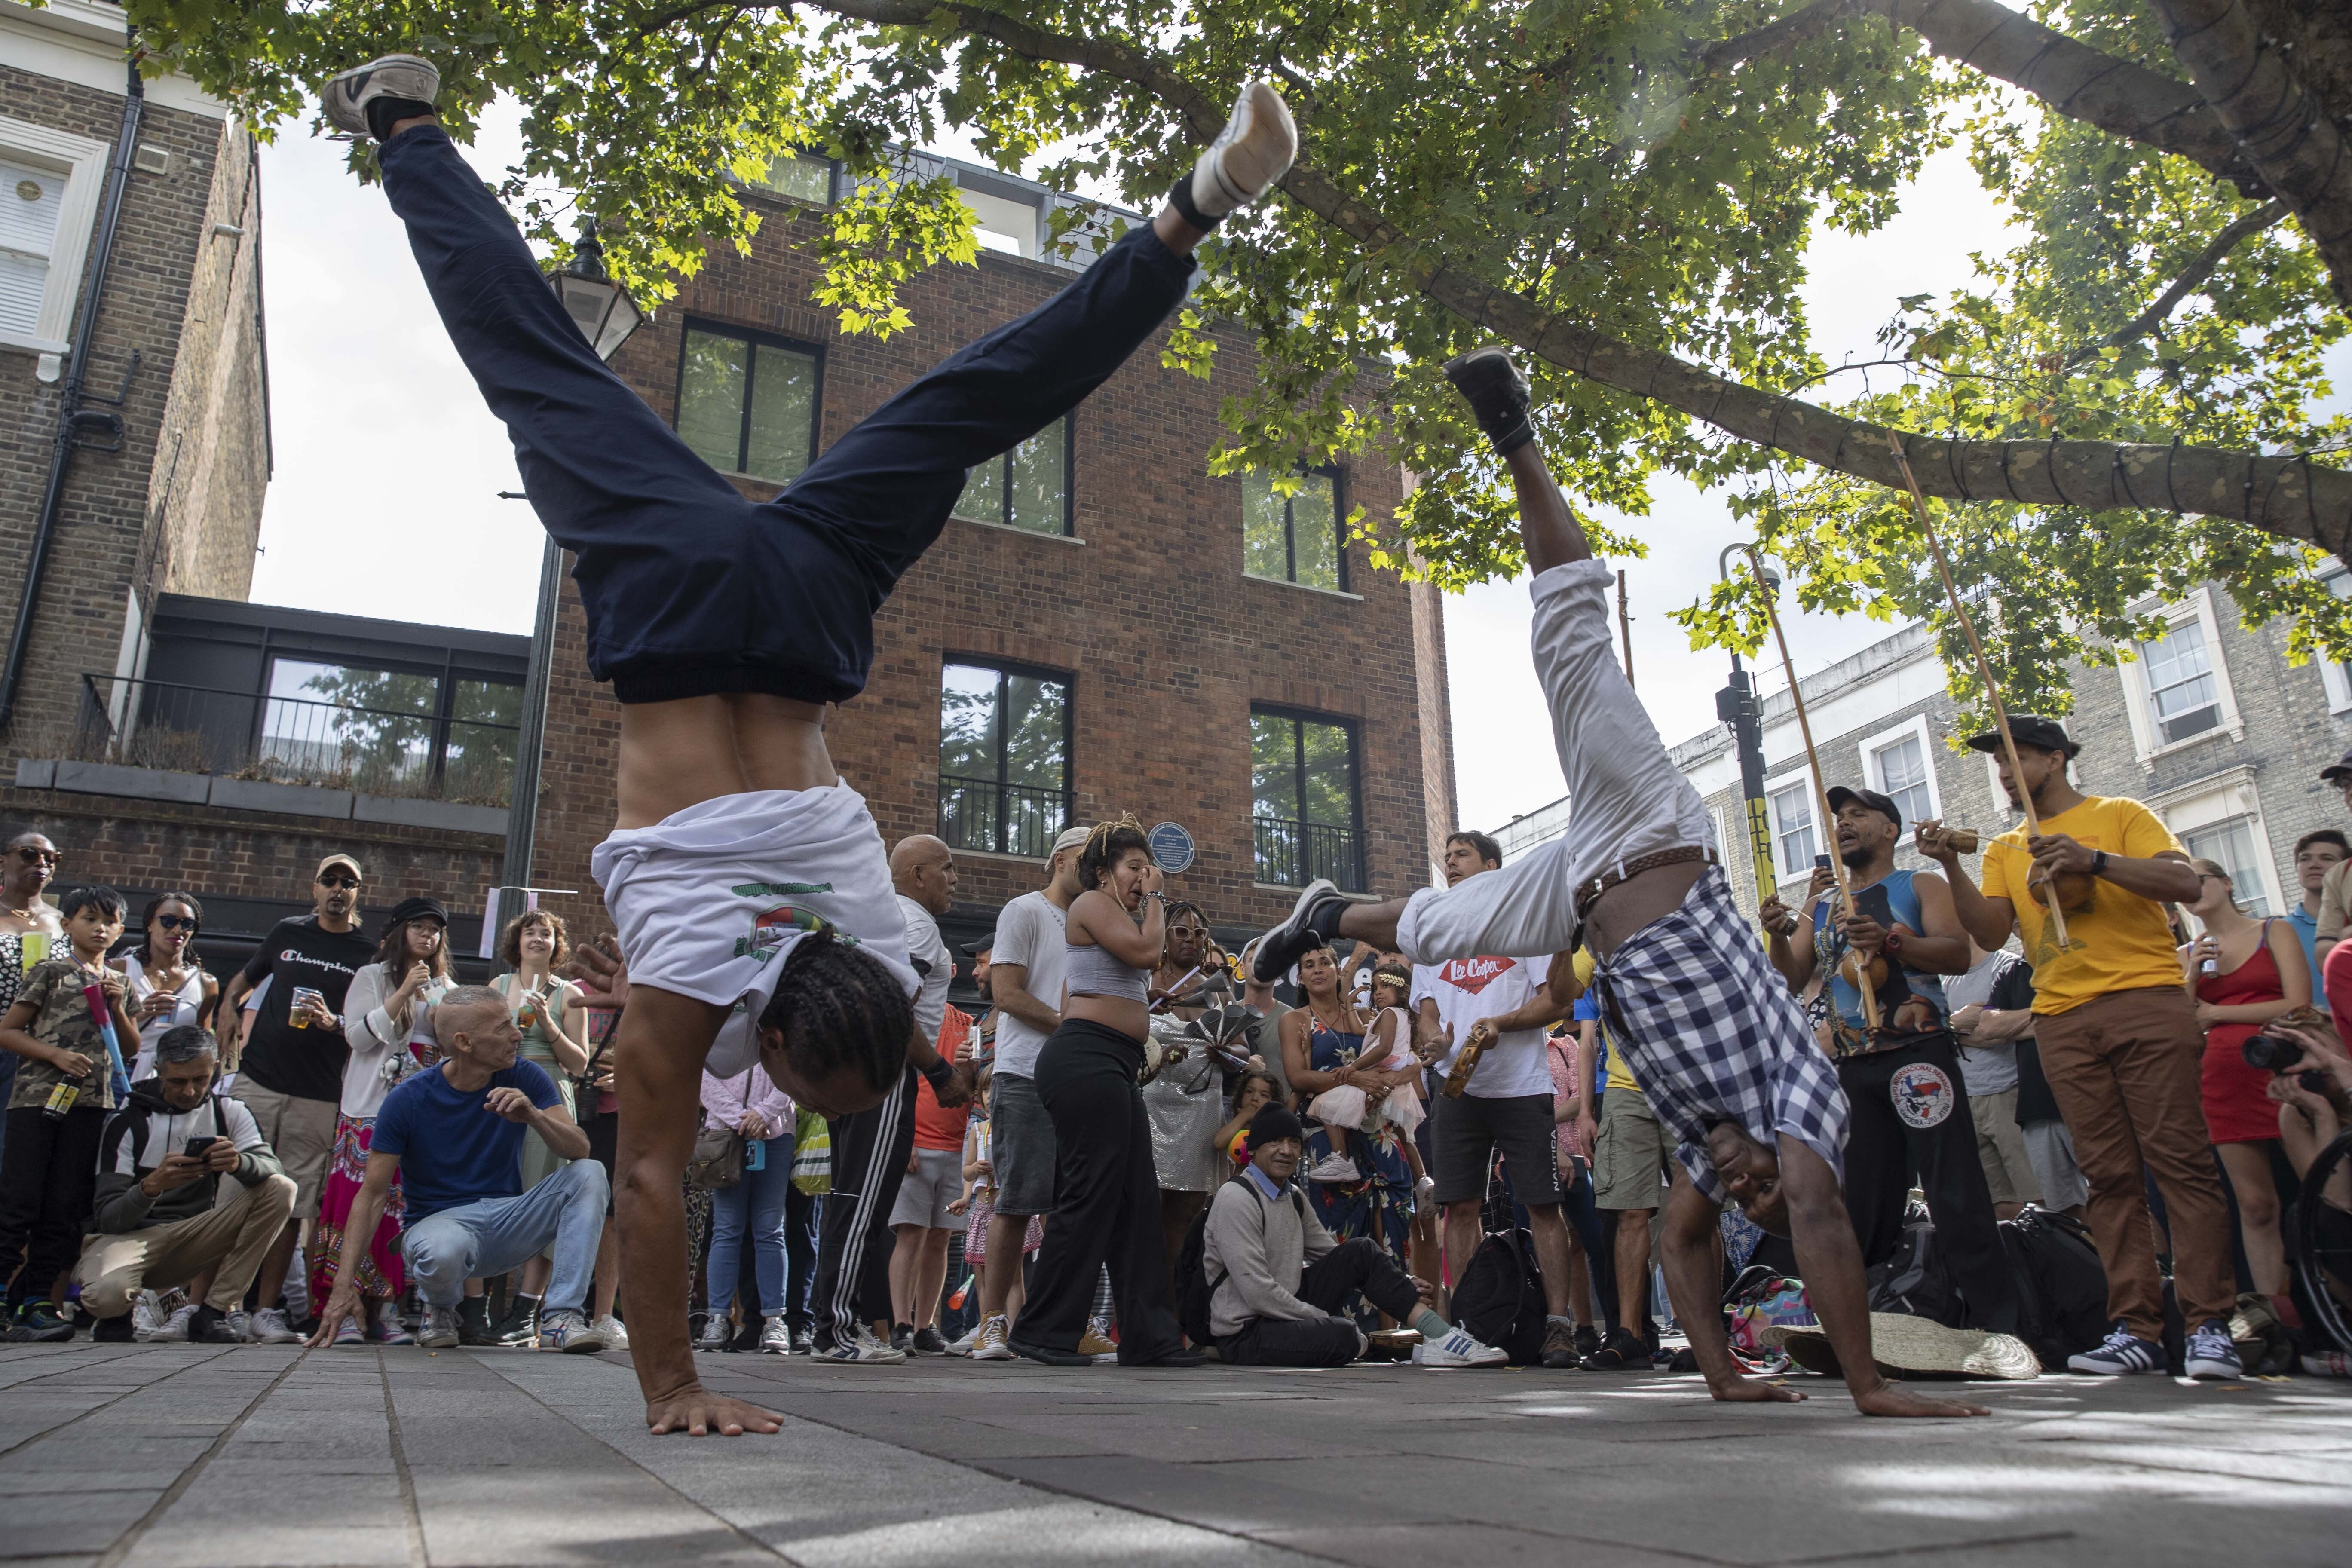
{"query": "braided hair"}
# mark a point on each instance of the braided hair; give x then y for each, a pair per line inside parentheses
(839, 1008)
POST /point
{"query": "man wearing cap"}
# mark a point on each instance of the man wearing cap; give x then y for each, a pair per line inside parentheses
(1025, 979)
(290, 1072)
(1903, 1078)
(2119, 1042)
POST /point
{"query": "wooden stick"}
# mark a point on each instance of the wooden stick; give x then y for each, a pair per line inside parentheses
(1821, 788)
(1625, 627)
(1984, 672)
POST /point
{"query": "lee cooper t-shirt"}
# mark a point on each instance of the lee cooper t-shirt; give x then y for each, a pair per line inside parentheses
(452, 1148)
(1468, 989)
(1032, 932)
(304, 1063)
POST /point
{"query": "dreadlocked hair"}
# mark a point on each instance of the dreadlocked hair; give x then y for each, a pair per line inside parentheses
(1105, 845)
(837, 1006)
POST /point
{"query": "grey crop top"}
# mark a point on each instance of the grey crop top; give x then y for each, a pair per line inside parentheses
(1092, 970)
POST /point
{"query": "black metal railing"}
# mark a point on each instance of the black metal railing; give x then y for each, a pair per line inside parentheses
(1292, 854)
(1000, 818)
(295, 740)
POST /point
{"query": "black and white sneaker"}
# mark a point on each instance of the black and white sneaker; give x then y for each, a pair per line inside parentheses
(1498, 395)
(1314, 921)
(2122, 1354)
(367, 99)
(2210, 1352)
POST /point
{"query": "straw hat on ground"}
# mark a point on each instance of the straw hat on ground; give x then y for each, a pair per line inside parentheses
(1908, 1347)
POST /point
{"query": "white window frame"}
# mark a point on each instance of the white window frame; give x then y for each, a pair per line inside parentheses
(1915, 727)
(2141, 705)
(2332, 674)
(82, 162)
(1801, 777)
(2222, 798)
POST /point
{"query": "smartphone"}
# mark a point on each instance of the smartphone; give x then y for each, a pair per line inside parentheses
(197, 1147)
(1821, 862)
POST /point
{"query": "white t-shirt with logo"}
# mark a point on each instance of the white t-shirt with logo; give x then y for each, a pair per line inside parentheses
(1032, 932)
(1468, 989)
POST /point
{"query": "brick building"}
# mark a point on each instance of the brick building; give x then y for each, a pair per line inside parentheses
(2210, 726)
(1103, 628)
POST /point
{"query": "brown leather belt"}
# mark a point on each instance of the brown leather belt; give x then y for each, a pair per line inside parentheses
(1588, 892)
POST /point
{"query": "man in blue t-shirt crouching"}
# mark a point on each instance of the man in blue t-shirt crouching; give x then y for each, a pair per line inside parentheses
(453, 1135)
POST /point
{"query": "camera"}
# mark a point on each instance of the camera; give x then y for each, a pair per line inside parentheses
(2313, 1081)
(2272, 1053)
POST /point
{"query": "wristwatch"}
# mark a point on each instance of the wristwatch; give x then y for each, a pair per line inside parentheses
(2098, 862)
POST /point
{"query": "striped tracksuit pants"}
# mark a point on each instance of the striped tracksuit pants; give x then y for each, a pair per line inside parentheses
(870, 1151)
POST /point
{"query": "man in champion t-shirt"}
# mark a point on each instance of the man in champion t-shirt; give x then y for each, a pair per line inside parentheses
(1507, 1103)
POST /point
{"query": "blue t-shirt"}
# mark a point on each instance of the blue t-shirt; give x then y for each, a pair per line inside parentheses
(453, 1149)
(2306, 931)
(1892, 901)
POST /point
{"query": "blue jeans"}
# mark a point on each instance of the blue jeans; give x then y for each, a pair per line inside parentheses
(688, 587)
(564, 1213)
(760, 1197)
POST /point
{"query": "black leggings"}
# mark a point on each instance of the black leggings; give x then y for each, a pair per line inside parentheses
(1327, 1283)
(1105, 1200)
(48, 1179)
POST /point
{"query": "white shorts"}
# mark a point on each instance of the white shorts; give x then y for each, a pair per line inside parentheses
(710, 900)
(1626, 797)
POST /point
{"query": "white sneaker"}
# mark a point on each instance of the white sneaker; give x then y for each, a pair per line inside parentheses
(147, 1315)
(1335, 1169)
(716, 1332)
(964, 1345)
(864, 1350)
(775, 1339)
(1455, 1350)
(271, 1328)
(1254, 149)
(345, 99)
(384, 1325)
(240, 1324)
(174, 1329)
(616, 1337)
(439, 1329)
(567, 1329)
(991, 1345)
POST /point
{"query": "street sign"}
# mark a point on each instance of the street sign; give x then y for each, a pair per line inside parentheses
(1171, 847)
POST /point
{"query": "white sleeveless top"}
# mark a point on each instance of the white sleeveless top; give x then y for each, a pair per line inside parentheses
(187, 1000)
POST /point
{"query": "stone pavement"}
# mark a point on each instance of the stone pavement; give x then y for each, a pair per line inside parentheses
(178, 1456)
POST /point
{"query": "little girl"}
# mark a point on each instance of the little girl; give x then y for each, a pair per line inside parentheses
(1255, 1090)
(1388, 1048)
(979, 1199)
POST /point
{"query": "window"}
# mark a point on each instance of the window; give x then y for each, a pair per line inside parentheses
(747, 406)
(1303, 797)
(802, 176)
(2231, 842)
(1027, 487)
(1004, 759)
(28, 232)
(2336, 678)
(49, 184)
(386, 730)
(1005, 216)
(1903, 778)
(1294, 538)
(1793, 827)
(2180, 685)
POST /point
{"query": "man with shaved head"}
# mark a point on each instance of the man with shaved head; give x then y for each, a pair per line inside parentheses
(453, 1133)
(872, 1149)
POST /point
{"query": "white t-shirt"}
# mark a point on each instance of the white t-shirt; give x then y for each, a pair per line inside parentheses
(928, 951)
(1468, 989)
(1032, 932)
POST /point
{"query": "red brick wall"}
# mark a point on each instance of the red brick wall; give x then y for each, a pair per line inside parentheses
(1169, 643)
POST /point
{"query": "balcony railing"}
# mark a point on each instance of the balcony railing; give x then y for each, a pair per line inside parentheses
(1292, 854)
(1001, 819)
(295, 740)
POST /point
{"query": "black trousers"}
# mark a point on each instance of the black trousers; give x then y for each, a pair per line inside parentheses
(1327, 1283)
(800, 1220)
(1911, 1113)
(48, 1180)
(870, 1151)
(1105, 1200)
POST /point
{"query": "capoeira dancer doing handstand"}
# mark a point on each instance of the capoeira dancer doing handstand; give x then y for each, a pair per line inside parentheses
(745, 879)
(1706, 1025)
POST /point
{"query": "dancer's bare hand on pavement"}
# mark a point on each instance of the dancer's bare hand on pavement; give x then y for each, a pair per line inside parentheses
(1753, 1391)
(601, 972)
(1888, 1400)
(698, 1412)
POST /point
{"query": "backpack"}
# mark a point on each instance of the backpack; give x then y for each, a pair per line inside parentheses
(1914, 1281)
(1499, 1299)
(1194, 1288)
(2061, 1290)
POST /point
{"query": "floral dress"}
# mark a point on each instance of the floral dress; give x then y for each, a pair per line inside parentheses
(1380, 1204)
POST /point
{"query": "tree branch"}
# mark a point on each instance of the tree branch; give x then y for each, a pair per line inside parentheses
(2288, 496)
(2190, 277)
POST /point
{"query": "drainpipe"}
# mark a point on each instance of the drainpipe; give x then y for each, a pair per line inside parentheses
(72, 418)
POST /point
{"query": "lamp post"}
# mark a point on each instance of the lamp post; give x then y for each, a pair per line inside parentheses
(605, 316)
(1737, 706)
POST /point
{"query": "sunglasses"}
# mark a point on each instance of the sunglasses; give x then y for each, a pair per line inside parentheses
(32, 857)
(338, 879)
(178, 922)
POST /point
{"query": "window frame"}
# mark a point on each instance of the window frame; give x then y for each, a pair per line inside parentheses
(1007, 669)
(2139, 700)
(1069, 529)
(1801, 780)
(440, 722)
(754, 337)
(2336, 680)
(81, 162)
(833, 171)
(1354, 732)
(2230, 796)
(1338, 476)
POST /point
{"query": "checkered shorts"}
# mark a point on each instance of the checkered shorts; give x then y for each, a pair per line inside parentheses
(1710, 1029)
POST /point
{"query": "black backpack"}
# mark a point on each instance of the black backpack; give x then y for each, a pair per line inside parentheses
(1914, 1281)
(2061, 1290)
(1499, 1299)
(1194, 1288)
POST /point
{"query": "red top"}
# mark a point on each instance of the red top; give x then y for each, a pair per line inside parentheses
(935, 1128)
(2237, 1108)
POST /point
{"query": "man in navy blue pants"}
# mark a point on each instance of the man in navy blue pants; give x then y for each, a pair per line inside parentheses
(747, 882)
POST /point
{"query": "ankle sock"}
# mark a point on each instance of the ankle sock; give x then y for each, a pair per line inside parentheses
(1433, 1327)
(383, 113)
(1181, 198)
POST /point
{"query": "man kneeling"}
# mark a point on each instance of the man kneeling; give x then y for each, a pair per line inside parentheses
(1279, 1279)
(159, 1222)
(454, 1135)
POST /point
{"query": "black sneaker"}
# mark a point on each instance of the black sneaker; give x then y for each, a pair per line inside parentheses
(211, 1328)
(474, 1322)
(1050, 1357)
(804, 1343)
(926, 1342)
(902, 1337)
(1314, 920)
(1622, 1351)
(111, 1330)
(1498, 395)
(1587, 1340)
(519, 1327)
(36, 1324)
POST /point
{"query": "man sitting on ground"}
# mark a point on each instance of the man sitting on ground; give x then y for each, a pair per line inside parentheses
(454, 1135)
(159, 1224)
(1278, 1280)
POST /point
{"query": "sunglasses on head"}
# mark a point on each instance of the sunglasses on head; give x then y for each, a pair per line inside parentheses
(178, 922)
(338, 879)
(32, 857)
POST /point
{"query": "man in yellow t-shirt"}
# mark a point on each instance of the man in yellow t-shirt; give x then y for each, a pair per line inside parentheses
(2119, 1039)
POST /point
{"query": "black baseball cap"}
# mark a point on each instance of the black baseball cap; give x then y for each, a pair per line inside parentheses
(2339, 773)
(1871, 798)
(2029, 730)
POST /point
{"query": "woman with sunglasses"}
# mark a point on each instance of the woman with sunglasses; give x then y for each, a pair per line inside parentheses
(27, 861)
(169, 984)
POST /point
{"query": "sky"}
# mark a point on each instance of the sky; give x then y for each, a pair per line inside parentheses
(380, 437)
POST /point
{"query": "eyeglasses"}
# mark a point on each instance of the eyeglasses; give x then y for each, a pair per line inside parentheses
(338, 879)
(32, 857)
(178, 922)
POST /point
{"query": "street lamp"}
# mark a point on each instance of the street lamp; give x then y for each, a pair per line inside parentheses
(1737, 706)
(600, 308)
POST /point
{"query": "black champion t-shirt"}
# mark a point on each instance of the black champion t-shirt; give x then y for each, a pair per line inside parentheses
(304, 1063)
